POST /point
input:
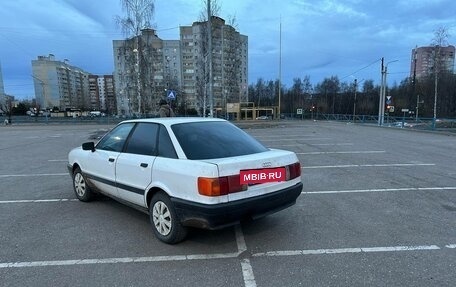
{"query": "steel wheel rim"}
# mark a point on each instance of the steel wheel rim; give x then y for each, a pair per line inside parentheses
(161, 218)
(79, 184)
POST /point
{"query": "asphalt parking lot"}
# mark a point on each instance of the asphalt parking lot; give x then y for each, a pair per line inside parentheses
(378, 208)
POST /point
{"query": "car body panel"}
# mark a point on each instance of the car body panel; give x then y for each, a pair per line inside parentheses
(133, 177)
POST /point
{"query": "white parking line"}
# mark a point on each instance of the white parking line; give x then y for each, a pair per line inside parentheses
(38, 200)
(247, 273)
(118, 260)
(33, 174)
(331, 144)
(240, 241)
(246, 266)
(297, 139)
(239, 235)
(341, 152)
(381, 190)
(57, 160)
(368, 165)
(247, 270)
(347, 250)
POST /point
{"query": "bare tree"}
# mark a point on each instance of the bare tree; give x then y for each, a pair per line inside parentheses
(137, 18)
(7, 108)
(440, 40)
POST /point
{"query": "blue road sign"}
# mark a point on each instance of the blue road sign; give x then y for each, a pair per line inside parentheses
(171, 95)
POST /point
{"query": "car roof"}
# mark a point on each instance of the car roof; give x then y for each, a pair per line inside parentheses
(174, 120)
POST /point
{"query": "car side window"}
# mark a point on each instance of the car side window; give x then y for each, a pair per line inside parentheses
(143, 139)
(115, 139)
(165, 145)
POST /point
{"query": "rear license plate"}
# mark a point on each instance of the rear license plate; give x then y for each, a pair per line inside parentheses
(262, 175)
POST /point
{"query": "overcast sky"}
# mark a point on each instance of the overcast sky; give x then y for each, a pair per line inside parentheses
(320, 38)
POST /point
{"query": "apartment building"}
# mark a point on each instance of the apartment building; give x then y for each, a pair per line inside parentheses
(424, 60)
(102, 94)
(229, 64)
(147, 68)
(59, 84)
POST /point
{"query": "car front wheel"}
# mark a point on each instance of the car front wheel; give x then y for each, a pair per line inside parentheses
(81, 189)
(164, 220)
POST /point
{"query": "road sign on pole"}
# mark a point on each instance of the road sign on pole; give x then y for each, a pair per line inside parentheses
(171, 95)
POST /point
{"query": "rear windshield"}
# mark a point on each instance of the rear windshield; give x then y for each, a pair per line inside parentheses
(210, 140)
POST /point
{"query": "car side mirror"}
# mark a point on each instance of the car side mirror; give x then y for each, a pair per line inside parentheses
(88, 146)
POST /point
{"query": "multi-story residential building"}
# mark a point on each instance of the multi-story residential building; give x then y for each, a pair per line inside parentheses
(145, 67)
(94, 93)
(229, 64)
(58, 84)
(102, 94)
(107, 94)
(424, 60)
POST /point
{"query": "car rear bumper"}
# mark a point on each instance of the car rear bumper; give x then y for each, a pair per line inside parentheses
(231, 213)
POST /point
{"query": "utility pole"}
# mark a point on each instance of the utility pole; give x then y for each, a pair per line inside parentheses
(354, 102)
(381, 106)
(280, 64)
(414, 83)
(209, 58)
(436, 81)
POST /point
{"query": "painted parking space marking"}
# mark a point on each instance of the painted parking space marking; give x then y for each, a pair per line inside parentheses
(57, 160)
(380, 190)
(32, 174)
(296, 139)
(117, 260)
(38, 200)
(247, 273)
(239, 236)
(333, 144)
(245, 263)
(369, 165)
(300, 145)
(347, 250)
(341, 152)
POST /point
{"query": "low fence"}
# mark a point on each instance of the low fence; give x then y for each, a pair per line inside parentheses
(389, 121)
(446, 124)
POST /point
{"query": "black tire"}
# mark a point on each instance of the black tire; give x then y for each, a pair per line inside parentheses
(165, 223)
(80, 186)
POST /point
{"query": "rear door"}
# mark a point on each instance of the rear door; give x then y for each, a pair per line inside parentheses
(134, 165)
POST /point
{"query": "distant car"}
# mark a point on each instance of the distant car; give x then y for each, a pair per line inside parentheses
(186, 172)
(263, 118)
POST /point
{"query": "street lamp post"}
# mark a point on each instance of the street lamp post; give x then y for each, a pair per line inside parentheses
(383, 92)
(138, 75)
(354, 102)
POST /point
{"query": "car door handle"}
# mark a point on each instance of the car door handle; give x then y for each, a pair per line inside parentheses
(143, 164)
(111, 159)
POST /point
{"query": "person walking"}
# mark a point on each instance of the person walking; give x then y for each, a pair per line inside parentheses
(165, 110)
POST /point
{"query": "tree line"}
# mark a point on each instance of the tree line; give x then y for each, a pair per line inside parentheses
(331, 96)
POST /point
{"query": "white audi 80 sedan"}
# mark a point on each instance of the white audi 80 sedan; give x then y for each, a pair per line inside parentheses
(186, 172)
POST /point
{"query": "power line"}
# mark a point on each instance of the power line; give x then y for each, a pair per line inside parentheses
(376, 61)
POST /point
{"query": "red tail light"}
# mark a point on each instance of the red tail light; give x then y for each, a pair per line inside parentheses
(293, 170)
(220, 185)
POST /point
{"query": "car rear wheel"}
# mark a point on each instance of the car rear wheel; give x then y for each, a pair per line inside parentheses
(81, 189)
(164, 220)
